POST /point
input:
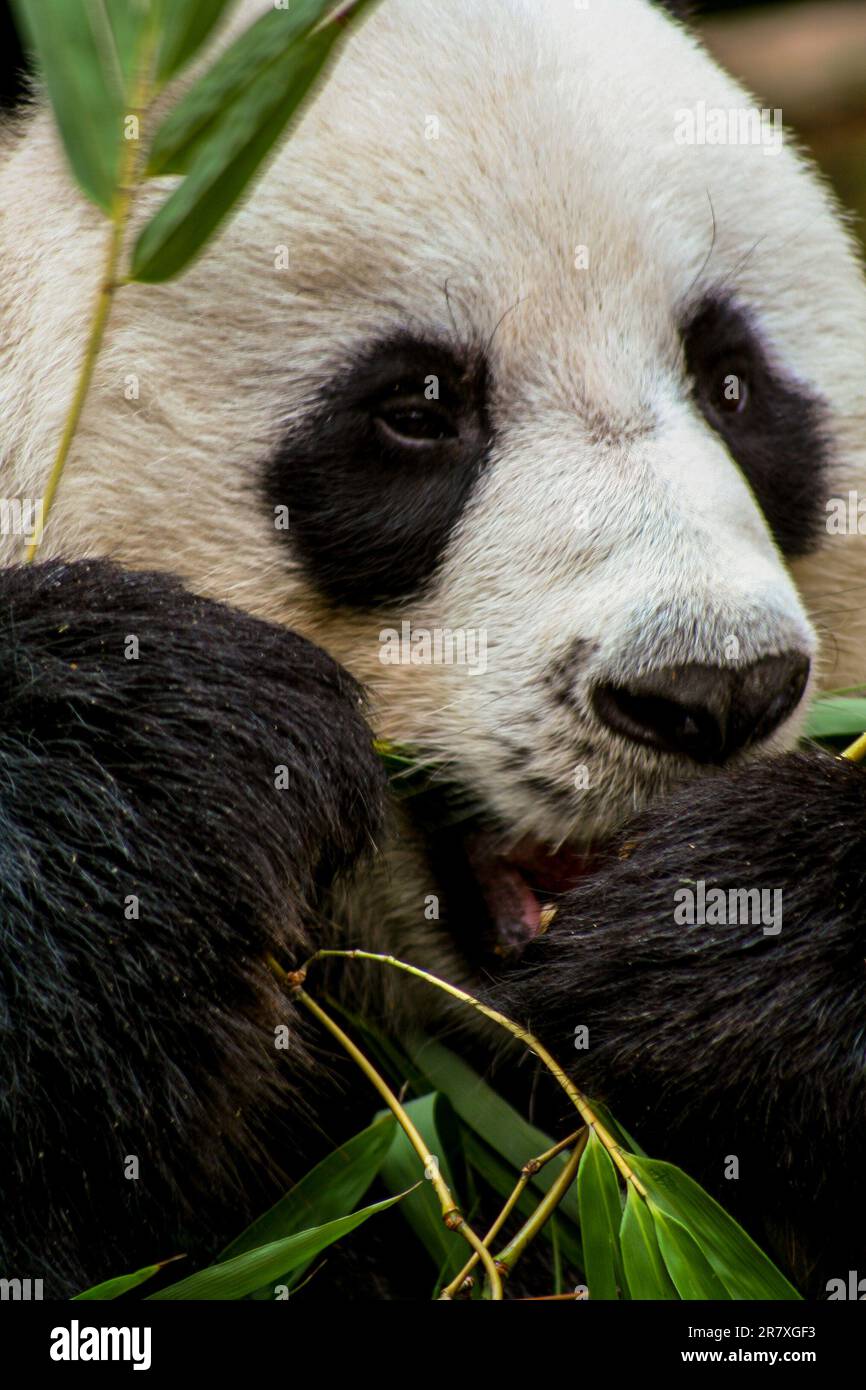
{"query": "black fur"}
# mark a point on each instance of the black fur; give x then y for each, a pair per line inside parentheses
(154, 1037)
(369, 517)
(779, 439)
(716, 1040)
(155, 778)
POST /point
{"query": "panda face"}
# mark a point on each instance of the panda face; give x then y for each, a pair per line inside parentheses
(521, 365)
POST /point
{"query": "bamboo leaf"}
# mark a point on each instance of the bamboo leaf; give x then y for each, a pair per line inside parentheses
(198, 114)
(402, 1168)
(221, 150)
(690, 1271)
(245, 1273)
(835, 716)
(185, 28)
(87, 55)
(743, 1270)
(600, 1220)
(330, 1190)
(113, 1288)
(491, 1117)
(643, 1266)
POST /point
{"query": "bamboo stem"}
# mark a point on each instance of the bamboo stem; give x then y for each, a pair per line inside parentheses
(856, 751)
(128, 179)
(527, 1173)
(431, 1167)
(451, 1213)
(576, 1097)
(507, 1258)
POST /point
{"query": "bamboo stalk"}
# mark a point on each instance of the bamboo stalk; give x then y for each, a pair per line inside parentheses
(578, 1100)
(128, 180)
(451, 1213)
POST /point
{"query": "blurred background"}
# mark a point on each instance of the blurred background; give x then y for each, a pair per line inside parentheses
(807, 57)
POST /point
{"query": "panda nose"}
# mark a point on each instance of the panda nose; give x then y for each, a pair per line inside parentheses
(705, 712)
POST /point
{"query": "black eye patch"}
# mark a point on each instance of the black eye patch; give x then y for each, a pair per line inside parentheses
(380, 471)
(773, 426)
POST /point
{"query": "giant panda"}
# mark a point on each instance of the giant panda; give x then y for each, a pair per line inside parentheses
(490, 199)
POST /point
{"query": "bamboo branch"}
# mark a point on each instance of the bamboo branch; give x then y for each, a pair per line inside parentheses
(527, 1173)
(507, 1258)
(128, 182)
(578, 1100)
(451, 1214)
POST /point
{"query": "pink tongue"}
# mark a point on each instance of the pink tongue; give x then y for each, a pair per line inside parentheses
(513, 907)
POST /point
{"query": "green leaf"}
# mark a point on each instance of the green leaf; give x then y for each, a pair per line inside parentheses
(616, 1130)
(185, 28)
(199, 113)
(245, 1273)
(113, 1288)
(86, 55)
(600, 1219)
(744, 1271)
(643, 1266)
(407, 775)
(491, 1117)
(330, 1190)
(221, 139)
(834, 716)
(129, 21)
(402, 1167)
(689, 1269)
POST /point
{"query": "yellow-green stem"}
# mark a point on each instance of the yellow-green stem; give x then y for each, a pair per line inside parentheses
(527, 1172)
(451, 1214)
(446, 1201)
(856, 751)
(507, 1259)
(451, 1290)
(121, 207)
(577, 1099)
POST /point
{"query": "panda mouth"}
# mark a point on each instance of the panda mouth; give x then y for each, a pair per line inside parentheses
(500, 896)
(520, 889)
(497, 894)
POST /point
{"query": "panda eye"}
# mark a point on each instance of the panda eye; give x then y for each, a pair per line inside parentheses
(411, 419)
(730, 391)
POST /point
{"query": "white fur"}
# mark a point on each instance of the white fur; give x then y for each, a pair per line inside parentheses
(556, 130)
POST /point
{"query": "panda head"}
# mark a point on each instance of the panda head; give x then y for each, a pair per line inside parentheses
(518, 357)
